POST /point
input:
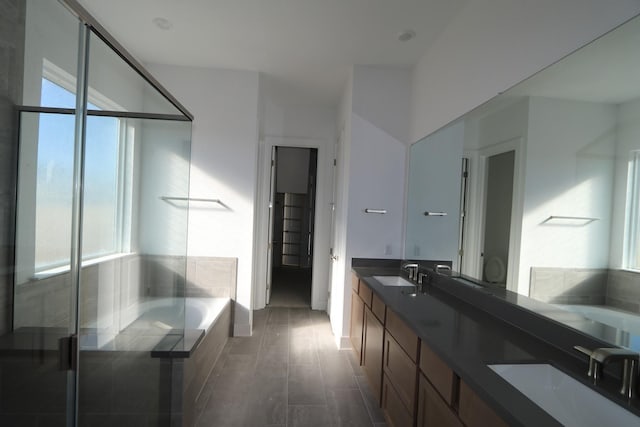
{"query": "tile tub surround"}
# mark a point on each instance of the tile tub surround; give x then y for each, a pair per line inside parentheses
(129, 280)
(623, 290)
(609, 287)
(107, 288)
(569, 285)
(469, 328)
(119, 385)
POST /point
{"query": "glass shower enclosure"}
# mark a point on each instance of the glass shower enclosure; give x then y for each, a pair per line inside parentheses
(100, 234)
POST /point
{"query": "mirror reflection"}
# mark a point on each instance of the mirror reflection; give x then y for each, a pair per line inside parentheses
(538, 190)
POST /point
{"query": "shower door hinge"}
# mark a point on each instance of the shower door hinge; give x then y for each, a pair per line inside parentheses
(68, 350)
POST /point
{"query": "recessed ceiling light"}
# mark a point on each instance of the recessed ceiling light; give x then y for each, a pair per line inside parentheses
(406, 35)
(162, 23)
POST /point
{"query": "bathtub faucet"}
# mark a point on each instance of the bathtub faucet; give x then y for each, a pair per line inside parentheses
(601, 356)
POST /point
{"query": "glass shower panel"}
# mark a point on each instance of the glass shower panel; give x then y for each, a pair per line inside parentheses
(51, 55)
(43, 314)
(114, 85)
(132, 295)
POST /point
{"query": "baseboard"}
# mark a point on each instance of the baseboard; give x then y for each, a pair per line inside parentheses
(343, 343)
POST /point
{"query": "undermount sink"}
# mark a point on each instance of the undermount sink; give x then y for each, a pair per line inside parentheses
(564, 398)
(393, 281)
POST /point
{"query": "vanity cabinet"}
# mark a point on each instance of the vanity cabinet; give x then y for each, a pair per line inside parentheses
(474, 412)
(395, 411)
(433, 410)
(372, 350)
(360, 297)
(357, 325)
(441, 377)
(400, 371)
(413, 385)
(403, 335)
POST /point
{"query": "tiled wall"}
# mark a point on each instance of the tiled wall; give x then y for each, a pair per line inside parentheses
(115, 286)
(623, 290)
(212, 277)
(615, 288)
(106, 289)
(12, 16)
(568, 285)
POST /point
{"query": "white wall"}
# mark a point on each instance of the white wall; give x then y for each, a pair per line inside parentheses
(375, 155)
(164, 172)
(285, 115)
(493, 44)
(569, 172)
(628, 140)
(223, 166)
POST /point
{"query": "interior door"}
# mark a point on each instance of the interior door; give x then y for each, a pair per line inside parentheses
(433, 210)
(272, 207)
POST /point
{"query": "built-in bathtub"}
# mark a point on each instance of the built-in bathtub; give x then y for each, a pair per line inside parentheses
(180, 313)
(177, 338)
(623, 326)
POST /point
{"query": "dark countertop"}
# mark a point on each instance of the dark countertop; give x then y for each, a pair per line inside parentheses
(454, 320)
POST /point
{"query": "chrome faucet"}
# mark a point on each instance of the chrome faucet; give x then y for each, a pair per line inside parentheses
(421, 277)
(601, 356)
(412, 268)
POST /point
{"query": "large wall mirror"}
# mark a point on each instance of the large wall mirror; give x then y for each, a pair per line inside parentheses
(538, 190)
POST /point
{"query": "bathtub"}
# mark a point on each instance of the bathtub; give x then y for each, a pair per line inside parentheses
(141, 326)
(170, 342)
(624, 326)
(173, 313)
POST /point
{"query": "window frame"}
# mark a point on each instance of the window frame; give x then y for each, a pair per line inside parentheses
(123, 197)
(631, 256)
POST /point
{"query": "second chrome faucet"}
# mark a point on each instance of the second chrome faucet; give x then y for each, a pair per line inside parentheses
(599, 357)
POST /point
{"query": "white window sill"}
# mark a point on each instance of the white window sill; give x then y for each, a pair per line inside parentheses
(43, 274)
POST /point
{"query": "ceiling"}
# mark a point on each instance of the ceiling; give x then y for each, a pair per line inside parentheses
(305, 46)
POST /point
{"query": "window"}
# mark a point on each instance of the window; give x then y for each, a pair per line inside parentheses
(632, 247)
(104, 178)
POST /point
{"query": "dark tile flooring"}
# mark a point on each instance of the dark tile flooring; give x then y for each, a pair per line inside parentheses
(291, 287)
(289, 373)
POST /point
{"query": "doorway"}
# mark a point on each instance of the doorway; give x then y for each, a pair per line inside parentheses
(292, 226)
(497, 217)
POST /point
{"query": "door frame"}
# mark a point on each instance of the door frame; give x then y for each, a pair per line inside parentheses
(474, 245)
(320, 262)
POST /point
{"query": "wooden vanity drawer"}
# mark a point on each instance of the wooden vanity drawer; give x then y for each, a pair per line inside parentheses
(396, 414)
(378, 308)
(365, 293)
(432, 410)
(401, 371)
(474, 412)
(355, 282)
(438, 373)
(403, 335)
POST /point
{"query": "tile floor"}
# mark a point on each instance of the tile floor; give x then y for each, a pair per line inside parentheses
(289, 373)
(291, 287)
